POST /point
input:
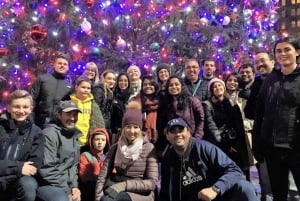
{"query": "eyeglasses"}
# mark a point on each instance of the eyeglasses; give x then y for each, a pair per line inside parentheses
(191, 67)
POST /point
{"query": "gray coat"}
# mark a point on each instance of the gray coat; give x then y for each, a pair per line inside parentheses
(142, 174)
(61, 157)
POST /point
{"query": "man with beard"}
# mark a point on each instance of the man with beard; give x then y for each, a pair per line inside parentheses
(61, 156)
(196, 84)
(263, 64)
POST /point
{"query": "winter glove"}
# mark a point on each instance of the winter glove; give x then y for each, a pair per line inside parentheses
(115, 189)
(245, 93)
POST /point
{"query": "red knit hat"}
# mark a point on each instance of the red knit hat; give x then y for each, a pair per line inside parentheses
(133, 114)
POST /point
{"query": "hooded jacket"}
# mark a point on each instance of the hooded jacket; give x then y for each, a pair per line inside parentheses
(202, 165)
(61, 157)
(90, 118)
(92, 161)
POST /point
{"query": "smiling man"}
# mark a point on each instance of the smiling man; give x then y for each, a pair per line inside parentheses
(263, 63)
(21, 153)
(61, 156)
(194, 169)
(196, 84)
(49, 89)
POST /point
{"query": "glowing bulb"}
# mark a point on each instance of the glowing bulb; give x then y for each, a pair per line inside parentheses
(188, 9)
(55, 33)
(34, 18)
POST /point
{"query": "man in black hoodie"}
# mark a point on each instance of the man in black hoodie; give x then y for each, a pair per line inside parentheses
(49, 89)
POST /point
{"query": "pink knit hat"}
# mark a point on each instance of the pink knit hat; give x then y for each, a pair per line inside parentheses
(133, 114)
(212, 81)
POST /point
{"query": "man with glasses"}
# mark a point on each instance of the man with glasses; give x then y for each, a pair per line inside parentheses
(196, 84)
(195, 169)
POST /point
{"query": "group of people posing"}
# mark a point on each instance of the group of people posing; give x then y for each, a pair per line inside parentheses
(129, 137)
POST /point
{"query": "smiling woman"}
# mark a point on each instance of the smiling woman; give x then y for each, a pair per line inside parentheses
(130, 171)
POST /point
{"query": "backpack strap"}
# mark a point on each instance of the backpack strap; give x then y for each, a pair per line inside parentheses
(197, 86)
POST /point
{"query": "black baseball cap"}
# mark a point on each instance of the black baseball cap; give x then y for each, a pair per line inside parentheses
(67, 106)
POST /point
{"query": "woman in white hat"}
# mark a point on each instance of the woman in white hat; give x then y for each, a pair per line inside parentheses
(224, 124)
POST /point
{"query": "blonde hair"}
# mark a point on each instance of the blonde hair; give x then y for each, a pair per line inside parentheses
(140, 137)
(107, 90)
(19, 94)
(94, 67)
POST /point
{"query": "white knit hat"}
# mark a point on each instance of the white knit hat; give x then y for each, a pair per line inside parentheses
(134, 67)
(213, 81)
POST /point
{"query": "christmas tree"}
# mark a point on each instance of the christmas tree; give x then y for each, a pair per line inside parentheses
(117, 33)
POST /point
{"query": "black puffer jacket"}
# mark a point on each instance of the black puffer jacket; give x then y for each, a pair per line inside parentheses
(18, 144)
(222, 116)
(202, 93)
(47, 91)
(105, 103)
(277, 119)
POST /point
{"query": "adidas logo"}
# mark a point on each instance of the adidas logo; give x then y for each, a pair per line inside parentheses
(190, 177)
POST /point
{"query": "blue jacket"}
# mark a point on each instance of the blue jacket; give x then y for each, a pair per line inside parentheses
(203, 165)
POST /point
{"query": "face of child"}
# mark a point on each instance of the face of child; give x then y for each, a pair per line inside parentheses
(99, 142)
(83, 90)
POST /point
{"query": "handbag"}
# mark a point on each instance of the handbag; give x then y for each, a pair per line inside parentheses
(229, 137)
(229, 134)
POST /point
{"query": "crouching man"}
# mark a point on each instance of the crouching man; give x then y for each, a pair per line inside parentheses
(61, 156)
(195, 169)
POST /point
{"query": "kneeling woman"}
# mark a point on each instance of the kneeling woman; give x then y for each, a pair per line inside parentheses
(130, 171)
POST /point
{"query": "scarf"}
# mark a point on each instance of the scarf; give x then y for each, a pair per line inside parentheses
(150, 107)
(126, 154)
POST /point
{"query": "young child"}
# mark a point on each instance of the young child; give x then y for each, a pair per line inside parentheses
(91, 116)
(92, 161)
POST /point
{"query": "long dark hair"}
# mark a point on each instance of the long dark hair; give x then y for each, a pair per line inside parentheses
(118, 93)
(154, 97)
(182, 96)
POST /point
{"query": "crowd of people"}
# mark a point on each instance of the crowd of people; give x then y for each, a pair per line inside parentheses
(162, 137)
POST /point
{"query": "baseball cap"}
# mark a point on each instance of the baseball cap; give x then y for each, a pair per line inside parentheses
(176, 122)
(67, 106)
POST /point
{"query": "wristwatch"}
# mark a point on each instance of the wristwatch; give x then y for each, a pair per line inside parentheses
(216, 189)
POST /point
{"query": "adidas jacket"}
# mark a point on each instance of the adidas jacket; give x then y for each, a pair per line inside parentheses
(203, 165)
